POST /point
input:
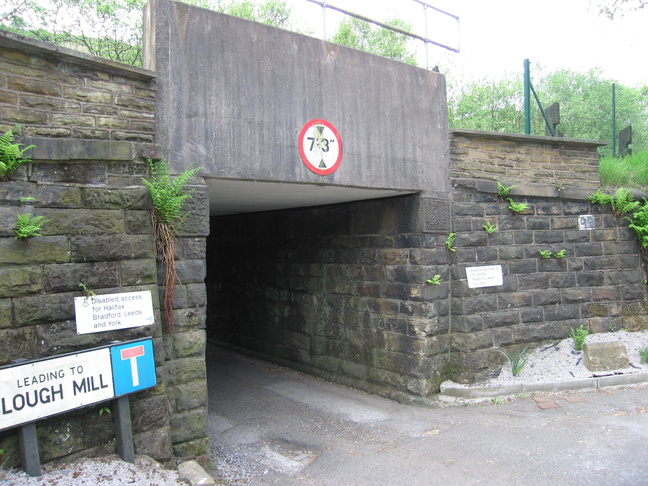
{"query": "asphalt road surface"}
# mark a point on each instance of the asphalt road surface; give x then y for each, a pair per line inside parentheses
(272, 425)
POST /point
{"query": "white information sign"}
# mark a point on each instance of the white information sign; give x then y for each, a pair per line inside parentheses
(490, 276)
(42, 388)
(99, 313)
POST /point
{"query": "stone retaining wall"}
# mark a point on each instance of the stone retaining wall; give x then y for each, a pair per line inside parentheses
(85, 179)
(99, 235)
(598, 284)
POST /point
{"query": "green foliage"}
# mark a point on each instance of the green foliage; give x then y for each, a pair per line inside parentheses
(644, 355)
(619, 8)
(502, 191)
(487, 105)
(436, 280)
(106, 28)
(11, 155)
(639, 223)
(86, 291)
(450, 241)
(28, 225)
(489, 227)
(272, 12)
(113, 28)
(364, 36)
(585, 106)
(599, 197)
(578, 335)
(168, 194)
(104, 410)
(517, 207)
(560, 254)
(628, 171)
(545, 253)
(623, 202)
(516, 360)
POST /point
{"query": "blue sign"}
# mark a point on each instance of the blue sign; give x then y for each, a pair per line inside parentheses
(133, 366)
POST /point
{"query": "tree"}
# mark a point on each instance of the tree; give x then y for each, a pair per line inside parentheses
(610, 8)
(113, 28)
(106, 28)
(585, 106)
(360, 34)
(487, 105)
(272, 12)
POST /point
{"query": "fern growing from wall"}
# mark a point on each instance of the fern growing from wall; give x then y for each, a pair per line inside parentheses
(169, 196)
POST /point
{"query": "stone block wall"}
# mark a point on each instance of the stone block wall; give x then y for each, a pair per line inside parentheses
(54, 98)
(512, 158)
(597, 285)
(337, 291)
(98, 232)
(91, 121)
(184, 347)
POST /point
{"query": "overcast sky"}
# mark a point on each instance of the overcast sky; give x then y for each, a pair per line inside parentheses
(495, 36)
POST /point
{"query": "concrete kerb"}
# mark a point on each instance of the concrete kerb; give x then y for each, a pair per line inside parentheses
(451, 390)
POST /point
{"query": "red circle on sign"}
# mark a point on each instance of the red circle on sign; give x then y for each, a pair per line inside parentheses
(320, 147)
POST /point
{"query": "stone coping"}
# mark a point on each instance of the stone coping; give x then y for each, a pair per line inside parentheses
(35, 46)
(63, 149)
(450, 389)
(522, 138)
(537, 190)
(533, 190)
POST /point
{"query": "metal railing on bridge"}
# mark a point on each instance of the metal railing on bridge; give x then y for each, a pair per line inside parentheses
(425, 38)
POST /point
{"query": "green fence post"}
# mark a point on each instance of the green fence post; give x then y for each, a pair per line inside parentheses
(614, 131)
(527, 98)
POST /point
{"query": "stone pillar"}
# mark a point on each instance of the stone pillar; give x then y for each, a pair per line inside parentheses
(186, 376)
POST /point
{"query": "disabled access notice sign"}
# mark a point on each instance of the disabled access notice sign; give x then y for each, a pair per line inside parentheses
(99, 313)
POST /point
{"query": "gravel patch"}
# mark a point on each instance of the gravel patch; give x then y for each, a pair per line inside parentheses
(89, 472)
(560, 362)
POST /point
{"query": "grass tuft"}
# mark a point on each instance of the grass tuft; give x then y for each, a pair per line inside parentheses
(516, 360)
(630, 171)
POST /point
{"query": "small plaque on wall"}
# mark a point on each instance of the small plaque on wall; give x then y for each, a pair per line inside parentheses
(489, 276)
(586, 222)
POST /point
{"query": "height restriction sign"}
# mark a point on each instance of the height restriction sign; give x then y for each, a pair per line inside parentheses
(320, 147)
